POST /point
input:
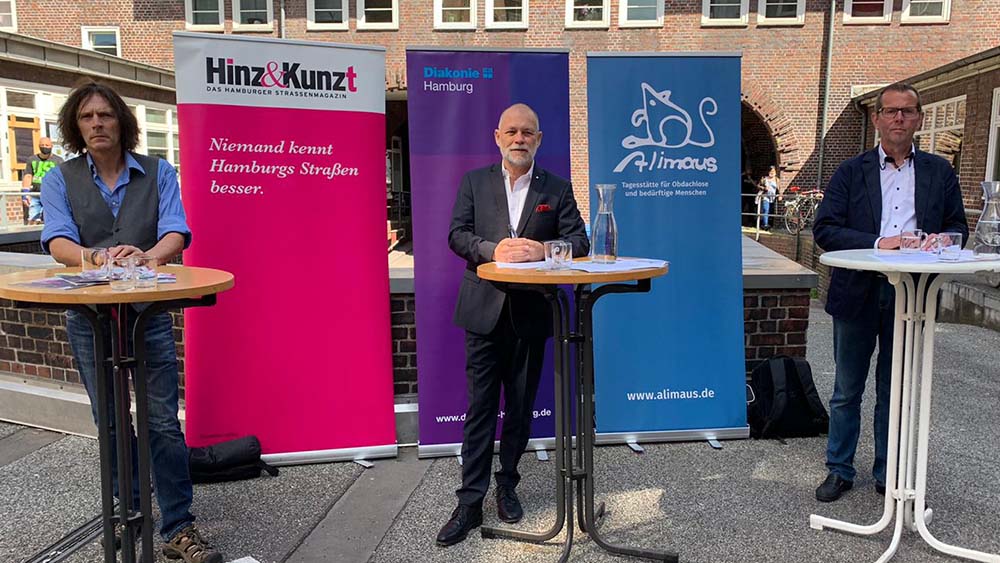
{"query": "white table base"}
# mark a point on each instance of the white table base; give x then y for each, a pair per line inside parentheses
(906, 467)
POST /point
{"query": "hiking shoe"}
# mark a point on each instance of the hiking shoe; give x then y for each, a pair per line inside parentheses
(118, 537)
(189, 546)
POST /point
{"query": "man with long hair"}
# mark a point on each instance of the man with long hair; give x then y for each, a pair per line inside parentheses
(111, 197)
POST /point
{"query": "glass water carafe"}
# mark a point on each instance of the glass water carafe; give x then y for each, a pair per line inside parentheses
(604, 235)
(987, 238)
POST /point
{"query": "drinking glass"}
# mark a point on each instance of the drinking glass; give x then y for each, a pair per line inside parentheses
(558, 255)
(121, 273)
(911, 242)
(146, 270)
(948, 246)
(93, 262)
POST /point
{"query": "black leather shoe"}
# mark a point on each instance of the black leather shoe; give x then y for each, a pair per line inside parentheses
(464, 519)
(508, 505)
(832, 488)
(880, 489)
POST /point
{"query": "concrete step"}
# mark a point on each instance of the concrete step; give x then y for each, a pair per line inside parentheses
(24, 442)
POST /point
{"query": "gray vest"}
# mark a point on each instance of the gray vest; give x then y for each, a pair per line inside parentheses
(140, 209)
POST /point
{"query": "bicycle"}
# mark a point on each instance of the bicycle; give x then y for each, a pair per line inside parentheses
(800, 208)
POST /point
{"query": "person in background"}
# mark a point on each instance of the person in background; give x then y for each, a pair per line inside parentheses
(34, 171)
(768, 191)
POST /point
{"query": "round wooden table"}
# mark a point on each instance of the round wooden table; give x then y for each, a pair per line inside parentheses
(912, 372)
(574, 464)
(105, 310)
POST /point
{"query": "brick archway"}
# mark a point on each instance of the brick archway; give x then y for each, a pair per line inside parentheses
(788, 157)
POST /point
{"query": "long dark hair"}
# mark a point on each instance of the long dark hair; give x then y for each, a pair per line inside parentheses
(73, 139)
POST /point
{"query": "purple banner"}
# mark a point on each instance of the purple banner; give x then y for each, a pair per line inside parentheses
(454, 103)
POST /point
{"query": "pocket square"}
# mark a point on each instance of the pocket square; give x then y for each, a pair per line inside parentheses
(543, 208)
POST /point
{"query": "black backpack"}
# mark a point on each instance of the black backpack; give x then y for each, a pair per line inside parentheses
(783, 402)
(234, 460)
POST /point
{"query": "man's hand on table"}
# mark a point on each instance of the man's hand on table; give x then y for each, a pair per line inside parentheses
(519, 250)
(889, 243)
(123, 251)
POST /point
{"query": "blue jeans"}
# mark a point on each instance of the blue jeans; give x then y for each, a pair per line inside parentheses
(168, 451)
(853, 344)
(34, 206)
(765, 210)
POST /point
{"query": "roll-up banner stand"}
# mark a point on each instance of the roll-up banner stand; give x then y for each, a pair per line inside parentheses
(665, 128)
(282, 149)
(454, 103)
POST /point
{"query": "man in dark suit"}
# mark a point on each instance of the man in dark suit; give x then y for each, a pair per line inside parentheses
(871, 200)
(502, 213)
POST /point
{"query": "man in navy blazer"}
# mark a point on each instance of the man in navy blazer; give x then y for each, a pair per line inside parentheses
(871, 200)
(503, 213)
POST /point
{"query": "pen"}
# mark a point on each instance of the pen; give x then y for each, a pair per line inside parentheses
(511, 231)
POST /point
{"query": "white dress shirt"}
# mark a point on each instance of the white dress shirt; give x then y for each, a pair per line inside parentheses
(898, 196)
(516, 196)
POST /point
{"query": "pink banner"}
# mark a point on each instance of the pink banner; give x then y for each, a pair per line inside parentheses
(292, 201)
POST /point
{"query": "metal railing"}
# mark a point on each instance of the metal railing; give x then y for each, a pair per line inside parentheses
(796, 211)
(793, 211)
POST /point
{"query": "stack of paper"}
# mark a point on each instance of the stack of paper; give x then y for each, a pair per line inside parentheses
(620, 265)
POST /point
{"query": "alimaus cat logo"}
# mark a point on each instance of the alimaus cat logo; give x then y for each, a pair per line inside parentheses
(663, 124)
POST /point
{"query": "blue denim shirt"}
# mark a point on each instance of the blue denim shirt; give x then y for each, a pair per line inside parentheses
(59, 216)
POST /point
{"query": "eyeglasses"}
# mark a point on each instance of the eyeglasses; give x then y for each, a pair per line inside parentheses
(907, 112)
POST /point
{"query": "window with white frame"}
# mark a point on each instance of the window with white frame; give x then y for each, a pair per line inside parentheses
(588, 13)
(507, 14)
(454, 14)
(204, 14)
(159, 133)
(21, 99)
(253, 15)
(724, 12)
(926, 11)
(32, 113)
(943, 129)
(640, 13)
(993, 156)
(8, 15)
(378, 14)
(326, 14)
(105, 40)
(867, 11)
(781, 12)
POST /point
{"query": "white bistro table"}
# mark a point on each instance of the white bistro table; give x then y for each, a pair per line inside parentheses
(917, 279)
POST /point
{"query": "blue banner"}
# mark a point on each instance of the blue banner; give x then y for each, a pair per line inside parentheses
(454, 103)
(666, 130)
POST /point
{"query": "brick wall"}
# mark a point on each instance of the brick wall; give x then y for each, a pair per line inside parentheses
(30, 247)
(14, 210)
(33, 343)
(774, 323)
(782, 65)
(404, 343)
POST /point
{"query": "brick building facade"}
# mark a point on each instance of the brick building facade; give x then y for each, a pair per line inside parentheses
(784, 60)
